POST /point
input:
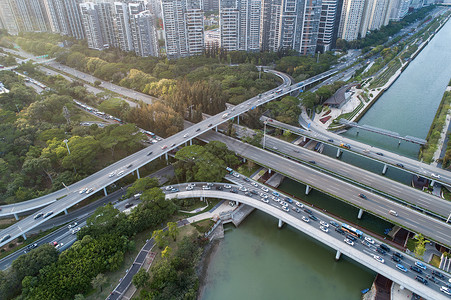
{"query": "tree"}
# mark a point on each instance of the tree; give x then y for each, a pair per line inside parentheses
(79, 297)
(140, 185)
(166, 253)
(173, 230)
(97, 82)
(141, 278)
(420, 245)
(160, 238)
(98, 281)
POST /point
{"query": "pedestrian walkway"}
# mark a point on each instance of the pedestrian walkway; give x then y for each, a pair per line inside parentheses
(224, 206)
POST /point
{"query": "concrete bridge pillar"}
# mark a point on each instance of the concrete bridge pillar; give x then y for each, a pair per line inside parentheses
(16, 216)
(432, 182)
(238, 120)
(166, 156)
(244, 159)
(216, 128)
(384, 170)
(337, 255)
(105, 192)
(307, 189)
(357, 134)
(236, 203)
(338, 152)
(280, 223)
(269, 171)
(304, 138)
(65, 211)
(137, 174)
(24, 236)
(191, 142)
(359, 216)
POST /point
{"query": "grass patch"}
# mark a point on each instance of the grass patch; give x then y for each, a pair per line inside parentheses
(211, 204)
(248, 169)
(204, 225)
(435, 261)
(411, 244)
(383, 78)
(193, 204)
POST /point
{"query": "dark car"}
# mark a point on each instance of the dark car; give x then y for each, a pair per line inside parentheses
(432, 278)
(198, 129)
(130, 165)
(219, 188)
(416, 269)
(254, 192)
(48, 214)
(379, 153)
(384, 247)
(246, 179)
(351, 237)
(308, 211)
(438, 274)
(128, 205)
(172, 145)
(335, 224)
(330, 140)
(234, 191)
(38, 216)
(400, 165)
(312, 217)
(209, 125)
(395, 258)
(421, 279)
(339, 230)
(399, 255)
(290, 201)
(150, 153)
(312, 162)
(362, 196)
(381, 251)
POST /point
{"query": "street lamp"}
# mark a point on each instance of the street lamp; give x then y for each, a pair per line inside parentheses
(67, 146)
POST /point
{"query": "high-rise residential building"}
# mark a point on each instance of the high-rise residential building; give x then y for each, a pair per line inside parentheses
(310, 27)
(211, 5)
(23, 15)
(399, 9)
(106, 19)
(122, 26)
(144, 34)
(375, 15)
(240, 24)
(328, 24)
(351, 19)
(65, 17)
(183, 27)
(91, 24)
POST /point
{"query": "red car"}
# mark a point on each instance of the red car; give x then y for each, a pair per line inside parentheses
(164, 147)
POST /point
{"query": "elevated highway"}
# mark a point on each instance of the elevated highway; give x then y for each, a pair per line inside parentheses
(362, 252)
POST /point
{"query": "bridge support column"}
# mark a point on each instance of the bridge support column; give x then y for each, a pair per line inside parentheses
(399, 143)
(432, 182)
(238, 120)
(191, 142)
(337, 255)
(269, 171)
(216, 128)
(24, 236)
(280, 223)
(357, 134)
(137, 174)
(244, 159)
(65, 211)
(304, 138)
(16, 216)
(307, 189)
(338, 152)
(359, 216)
(236, 203)
(166, 156)
(105, 192)
(384, 170)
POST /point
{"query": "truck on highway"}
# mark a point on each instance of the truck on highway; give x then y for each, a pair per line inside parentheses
(346, 146)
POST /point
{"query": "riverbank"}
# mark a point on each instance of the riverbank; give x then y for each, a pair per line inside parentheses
(208, 255)
(363, 98)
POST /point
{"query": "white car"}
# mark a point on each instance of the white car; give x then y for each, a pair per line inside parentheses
(369, 240)
(299, 204)
(185, 135)
(285, 208)
(206, 187)
(83, 190)
(435, 175)
(349, 242)
(254, 184)
(446, 290)
(227, 186)
(169, 187)
(265, 189)
(120, 173)
(111, 174)
(243, 189)
(189, 188)
(378, 258)
(324, 224)
(236, 175)
(324, 229)
(265, 200)
(305, 219)
(72, 225)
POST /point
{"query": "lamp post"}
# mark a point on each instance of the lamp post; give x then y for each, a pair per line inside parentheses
(65, 141)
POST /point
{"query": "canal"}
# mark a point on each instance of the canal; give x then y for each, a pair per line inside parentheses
(260, 261)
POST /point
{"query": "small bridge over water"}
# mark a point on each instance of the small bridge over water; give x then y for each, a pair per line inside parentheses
(389, 133)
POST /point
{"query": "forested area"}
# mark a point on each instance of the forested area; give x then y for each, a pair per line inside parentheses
(34, 159)
(310, 100)
(101, 245)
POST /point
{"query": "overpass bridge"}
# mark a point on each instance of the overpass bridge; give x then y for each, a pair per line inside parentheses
(361, 251)
(387, 158)
(385, 132)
